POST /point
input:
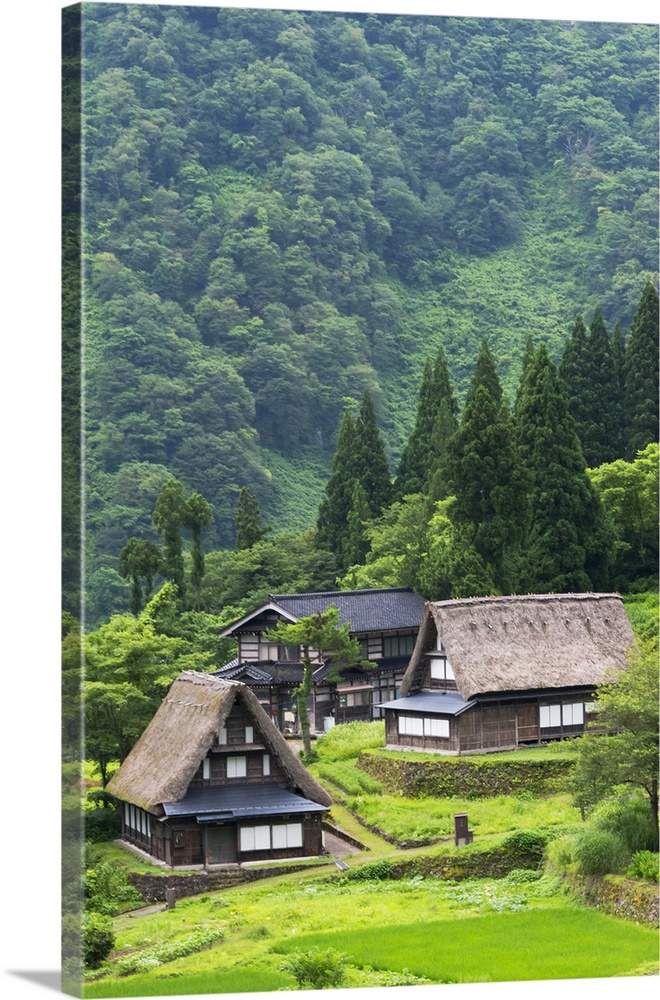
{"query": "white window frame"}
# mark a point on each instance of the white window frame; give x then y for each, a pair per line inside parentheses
(550, 716)
(573, 714)
(255, 838)
(206, 769)
(265, 765)
(222, 737)
(237, 766)
(249, 734)
(438, 728)
(287, 835)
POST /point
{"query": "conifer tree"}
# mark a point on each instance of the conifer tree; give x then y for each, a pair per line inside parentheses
(619, 365)
(197, 514)
(484, 475)
(249, 528)
(167, 518)
(598, 433)
(356, 544)
(641, 392)
(373, 470)
(567, 541)
(436, 421)
(335, 507)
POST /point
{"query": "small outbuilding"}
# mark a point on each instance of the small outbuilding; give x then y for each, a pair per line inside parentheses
(212, 781)
(492, 673)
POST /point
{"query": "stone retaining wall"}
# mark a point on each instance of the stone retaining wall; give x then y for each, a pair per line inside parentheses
(621, 897)
(465, 777)
(153, 887)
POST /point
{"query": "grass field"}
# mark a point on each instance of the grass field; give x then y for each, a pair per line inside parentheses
(393, 925)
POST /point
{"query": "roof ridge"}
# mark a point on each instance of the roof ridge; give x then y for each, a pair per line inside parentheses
(344, 593)
(589, 595)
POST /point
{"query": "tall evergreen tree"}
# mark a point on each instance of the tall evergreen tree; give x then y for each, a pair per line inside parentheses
(485, 476)
(168, 517)
(619, 364)
(249, 528)
(435, 422)
(197, 514)
(598, 435)
(335, 507)
(567, 541)
(356, 544)
(373, 470)
(641, 392)
(139, 560)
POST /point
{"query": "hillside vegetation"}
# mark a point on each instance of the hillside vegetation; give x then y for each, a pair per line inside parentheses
(285, 209)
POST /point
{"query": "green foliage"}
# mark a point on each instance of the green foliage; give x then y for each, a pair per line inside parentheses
(348, 777)
(108, 890)
(373, 871)
(629, 817)
(102, 824)
(628, 755)
(598, 852)
(641, 386)
(644, 865)
(520, 876)
(527, 842)
(151, 958)
(346, 741)
(249, 528)
(257, 230)
(316, 969)
(98, 939)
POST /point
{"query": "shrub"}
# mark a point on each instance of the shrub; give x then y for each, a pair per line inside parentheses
(631, 819)
(599, 852)
(108, 891)
(526, 842)
(102, 824)
(559, 854)
(644, 864)
(98, 938)
(521, 875)
(316, 969)
(373, 871)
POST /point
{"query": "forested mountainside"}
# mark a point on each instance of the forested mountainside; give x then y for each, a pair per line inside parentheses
(282, 210)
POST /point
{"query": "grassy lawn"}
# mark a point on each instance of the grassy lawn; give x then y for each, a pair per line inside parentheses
(473, 920)
(421, 819)
(553, 944)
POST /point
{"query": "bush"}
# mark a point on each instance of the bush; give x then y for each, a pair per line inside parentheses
(526, 842)
(521, 875)
(316, 970)
(373, 871)
(644, 864)
(559, 854)
(631, 819)
(599, 852)
(102, 824)
(98, 938)
(108, 891)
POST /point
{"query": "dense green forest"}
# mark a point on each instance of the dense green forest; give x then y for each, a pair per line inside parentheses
(285, 214)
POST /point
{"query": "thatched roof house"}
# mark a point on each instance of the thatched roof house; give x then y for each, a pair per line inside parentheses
(209, 764)
(501, 671)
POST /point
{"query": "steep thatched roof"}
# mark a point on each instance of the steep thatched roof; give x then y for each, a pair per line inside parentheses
(162, 763)
(524, 643)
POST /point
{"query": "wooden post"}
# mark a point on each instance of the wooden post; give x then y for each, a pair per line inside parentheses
(462, 836)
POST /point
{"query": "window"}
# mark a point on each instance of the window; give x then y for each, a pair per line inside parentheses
(236, 767)
(222, 737)
(436, 727)
(206, 769)
(364, 649)
(572, 715)
(398, 645)
(441, 669)
(416, 726)
(411, 726)
(265, 762)
(249, 734)
(550, 716)
(290, 654)
(351, 699)
(255, 838)
(287, 835)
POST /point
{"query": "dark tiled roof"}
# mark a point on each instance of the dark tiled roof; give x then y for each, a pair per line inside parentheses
(450, 703)
(233, 801)
(245, 671)
(366, 610)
